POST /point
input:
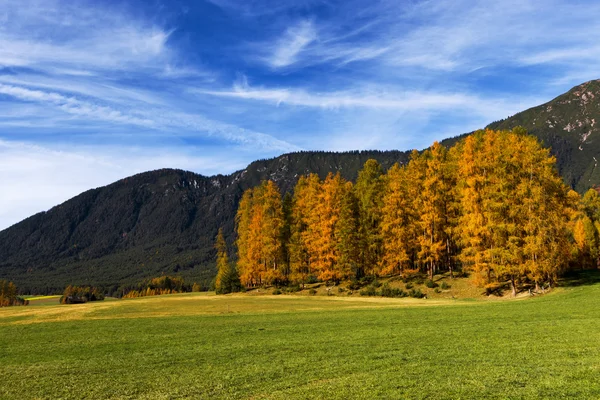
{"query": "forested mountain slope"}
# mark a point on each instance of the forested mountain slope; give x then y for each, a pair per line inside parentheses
(570, 126)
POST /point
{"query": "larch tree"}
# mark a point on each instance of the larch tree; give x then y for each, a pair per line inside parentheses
(227, 280)
(433, 203)
(327, 215)
(303, 228)
(397, 223)
(271, 233)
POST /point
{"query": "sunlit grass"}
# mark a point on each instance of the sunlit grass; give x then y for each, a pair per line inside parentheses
(206, 346)
(33, 298)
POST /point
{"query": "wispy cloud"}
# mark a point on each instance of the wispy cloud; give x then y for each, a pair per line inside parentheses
(78, 39)
(293, 42)
(447, 36)
(72, 105)
(160, 119)
(378, 98)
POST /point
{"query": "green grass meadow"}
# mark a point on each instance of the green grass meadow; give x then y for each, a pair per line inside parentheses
(280, 347)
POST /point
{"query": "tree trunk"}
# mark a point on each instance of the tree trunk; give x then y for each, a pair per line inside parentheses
(513, 287)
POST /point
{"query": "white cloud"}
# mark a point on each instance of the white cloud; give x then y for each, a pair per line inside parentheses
(293, 42)
(388, 99)
(161, 119)
(445, 36)
(80, 38)
(74, 106)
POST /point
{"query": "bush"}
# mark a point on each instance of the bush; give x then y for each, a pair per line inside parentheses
(311, 279)
(409, 285)
(437, 290)
(445, 286)
(430, 284)
(294, 288)
(387, 291)
(366, 280)
(416, 293)
(354, 285)
(369, 291)
(276, 291)
(8, 295)
(312, 292)
(341, 289)
(83, 294)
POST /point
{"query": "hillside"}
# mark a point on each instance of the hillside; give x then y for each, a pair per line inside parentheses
(156, 222)
(570, 126)
(165, 221)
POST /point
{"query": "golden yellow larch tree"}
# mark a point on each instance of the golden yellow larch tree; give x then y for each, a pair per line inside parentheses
(242, 221)
(303, 230)
(271, 209)
(325, 245)
(397, 223)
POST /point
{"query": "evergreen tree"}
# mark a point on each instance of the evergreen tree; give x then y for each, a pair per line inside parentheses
(227, 280)
(369, 191)
(347, 234)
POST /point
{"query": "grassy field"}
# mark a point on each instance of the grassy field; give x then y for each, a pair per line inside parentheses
(205, 346)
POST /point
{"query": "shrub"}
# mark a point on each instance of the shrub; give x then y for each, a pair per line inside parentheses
(277, 291)
(312, 292)
(387, 291)
(437, 290)
(311, 279)
(8, 295)
(416, 293)
(354, 285)
(445, 286)
(341, 289)
(409, 285)
(365, 280)
(430, 284)
(369, 291)
(83, 294)
(294, 288)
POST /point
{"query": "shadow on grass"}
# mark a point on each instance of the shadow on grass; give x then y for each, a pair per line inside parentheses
(581, 278)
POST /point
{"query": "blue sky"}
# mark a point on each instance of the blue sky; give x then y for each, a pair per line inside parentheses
(91, 92)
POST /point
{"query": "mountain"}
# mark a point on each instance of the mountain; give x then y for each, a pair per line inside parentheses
(165, 221)
(152, 223)
(570, 126)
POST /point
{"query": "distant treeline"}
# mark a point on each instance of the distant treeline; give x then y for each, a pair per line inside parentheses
(81, 294)
(493, 205)
(162, 285)
(8, 295)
